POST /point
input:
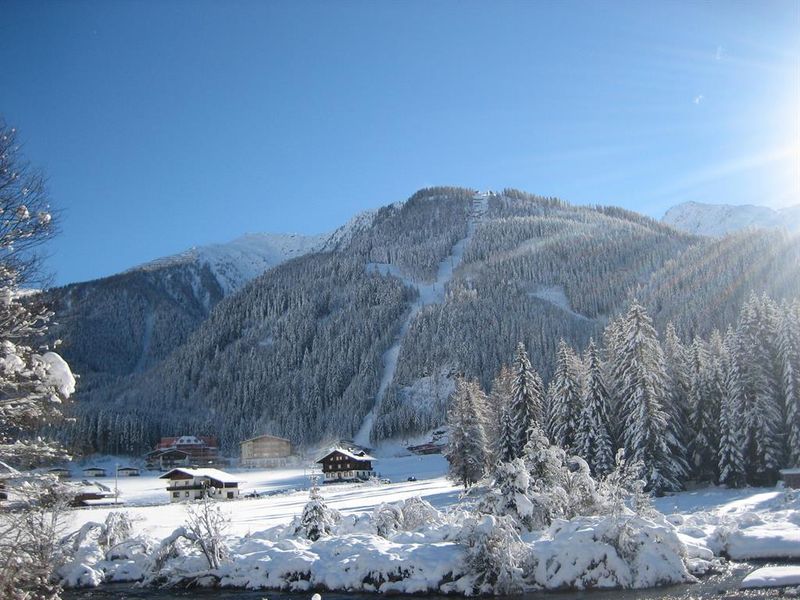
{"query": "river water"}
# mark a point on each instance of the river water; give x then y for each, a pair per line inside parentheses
(724, 586)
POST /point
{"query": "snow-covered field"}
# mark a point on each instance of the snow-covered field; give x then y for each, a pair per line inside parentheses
(146, 499)
(699, 527)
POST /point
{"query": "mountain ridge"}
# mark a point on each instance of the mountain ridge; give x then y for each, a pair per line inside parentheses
(720, 219)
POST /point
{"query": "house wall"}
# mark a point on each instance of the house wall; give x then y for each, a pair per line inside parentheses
(265, 451)
(792, 480)
(193, 488)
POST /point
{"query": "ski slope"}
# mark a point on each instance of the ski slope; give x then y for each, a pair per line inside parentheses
(428, 293)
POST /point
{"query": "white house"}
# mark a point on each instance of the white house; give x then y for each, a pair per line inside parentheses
(191, 484)
(128, 472)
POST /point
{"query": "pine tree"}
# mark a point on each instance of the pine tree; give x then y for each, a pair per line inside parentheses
(703, 413)
(789, 357)
(467, 450)
(564, 398)
(527, 398)
(680, 431)
(762, 410)
(317, 519)
(731, 461)
(593, 437)
(503, 436)
(641, 381)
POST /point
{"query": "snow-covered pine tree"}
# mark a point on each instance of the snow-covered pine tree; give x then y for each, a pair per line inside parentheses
(317, 519)
(502, 435)
(789, 356)
(703, 413)
(731, 430)
(593, 436)
(564, 398)
(680, 434)
(641, 381)
(467, 449)
(527, 398)
(762, 406)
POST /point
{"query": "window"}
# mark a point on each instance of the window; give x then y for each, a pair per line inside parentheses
(230, 495)
(176, 494)
(187, 494)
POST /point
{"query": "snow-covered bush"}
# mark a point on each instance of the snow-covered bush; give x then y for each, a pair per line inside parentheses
(30, 539)
(609, 552)
(495, 555)
(418, 513)
(507, 494)
(206, 524)
(388, 518)
(623, 488)
(317, 519)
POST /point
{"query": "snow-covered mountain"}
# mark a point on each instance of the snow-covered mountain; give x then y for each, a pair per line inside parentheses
(720, 219)
(235, 263)
(365, 337)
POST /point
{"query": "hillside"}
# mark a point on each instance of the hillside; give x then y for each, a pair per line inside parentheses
(720, 219)
(366, 336)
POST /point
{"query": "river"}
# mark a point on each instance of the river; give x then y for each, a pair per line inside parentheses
(724, 586)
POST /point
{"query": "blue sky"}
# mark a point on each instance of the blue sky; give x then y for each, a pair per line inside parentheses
(163, 125)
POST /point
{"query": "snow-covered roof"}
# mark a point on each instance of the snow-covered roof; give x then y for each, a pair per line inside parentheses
(128, 469)
(347, 453)
(215, 474)
(795, 471)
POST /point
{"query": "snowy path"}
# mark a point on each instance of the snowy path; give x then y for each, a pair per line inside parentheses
(428, 293)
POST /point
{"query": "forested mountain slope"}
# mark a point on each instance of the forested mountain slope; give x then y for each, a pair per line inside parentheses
(302, 350)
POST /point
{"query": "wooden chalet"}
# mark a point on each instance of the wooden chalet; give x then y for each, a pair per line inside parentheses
(791, 478)
(128, 472)
(341, 464)
(192, 484)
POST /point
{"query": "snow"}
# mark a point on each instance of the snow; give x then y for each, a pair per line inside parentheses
(146, 497)
(386, 540)
(746, 524)
(59, 374)
(556, 296)
(719, 219)
(772, 577)
(237, 262)
(430, 292)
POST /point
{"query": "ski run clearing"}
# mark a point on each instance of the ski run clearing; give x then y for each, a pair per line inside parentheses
(694, 529)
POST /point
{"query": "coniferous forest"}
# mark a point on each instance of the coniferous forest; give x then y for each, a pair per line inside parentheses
(640, 337)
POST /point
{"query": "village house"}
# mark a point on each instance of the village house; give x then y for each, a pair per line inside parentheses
(791, 478)
(94, 472)
(128, 472)
(184, 450)
(265, 451)
(192, 484)
(341, 464)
